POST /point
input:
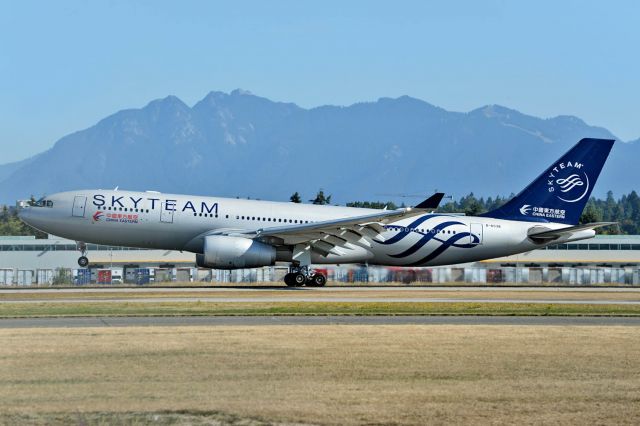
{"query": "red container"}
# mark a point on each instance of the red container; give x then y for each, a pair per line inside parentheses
(104, 276)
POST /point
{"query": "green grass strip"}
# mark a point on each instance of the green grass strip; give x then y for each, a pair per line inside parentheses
(44, 309)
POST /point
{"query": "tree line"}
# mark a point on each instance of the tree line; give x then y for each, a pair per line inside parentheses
(624, 210)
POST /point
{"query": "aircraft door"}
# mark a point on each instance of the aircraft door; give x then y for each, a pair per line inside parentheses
(166, 216)
(79, 203)
(475, 229)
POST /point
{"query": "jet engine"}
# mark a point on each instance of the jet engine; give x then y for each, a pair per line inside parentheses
(224, 252)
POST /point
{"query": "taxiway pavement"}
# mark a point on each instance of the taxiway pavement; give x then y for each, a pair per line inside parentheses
(174, 321)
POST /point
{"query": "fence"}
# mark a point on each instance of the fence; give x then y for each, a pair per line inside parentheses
(335, 274)
(442, 275)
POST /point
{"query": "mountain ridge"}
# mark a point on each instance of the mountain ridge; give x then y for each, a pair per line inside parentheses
(240, 144)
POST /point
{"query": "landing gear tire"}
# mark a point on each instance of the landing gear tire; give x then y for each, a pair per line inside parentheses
(83, 261)
(319, 280)
(295, 279)
(299, 279)
(288, 280)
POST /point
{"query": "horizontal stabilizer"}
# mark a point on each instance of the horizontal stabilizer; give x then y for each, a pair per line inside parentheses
(541, 233)
(432, 202)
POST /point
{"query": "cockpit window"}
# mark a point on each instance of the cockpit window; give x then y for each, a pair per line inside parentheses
(43, 203)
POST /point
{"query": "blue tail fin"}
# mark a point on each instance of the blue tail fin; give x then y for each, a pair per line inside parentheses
(561, 192)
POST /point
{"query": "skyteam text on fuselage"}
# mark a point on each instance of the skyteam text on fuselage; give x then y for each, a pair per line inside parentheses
(232, 233)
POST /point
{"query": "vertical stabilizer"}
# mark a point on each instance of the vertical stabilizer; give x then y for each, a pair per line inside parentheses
(561, 192)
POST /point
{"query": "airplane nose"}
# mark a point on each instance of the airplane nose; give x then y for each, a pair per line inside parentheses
(24, 213)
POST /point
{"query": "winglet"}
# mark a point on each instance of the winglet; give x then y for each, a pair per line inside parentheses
(432, 202)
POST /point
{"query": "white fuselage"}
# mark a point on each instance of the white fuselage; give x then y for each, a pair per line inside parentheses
(178, 222)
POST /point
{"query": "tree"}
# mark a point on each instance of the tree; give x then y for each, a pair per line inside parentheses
(295, 198)
(373, 205)
(590, 213)
(10, 224)
(321, 199)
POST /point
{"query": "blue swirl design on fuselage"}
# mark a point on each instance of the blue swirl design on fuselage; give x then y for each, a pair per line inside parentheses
(451, 242)
(426, 237)
(432, 234)
(412, 225)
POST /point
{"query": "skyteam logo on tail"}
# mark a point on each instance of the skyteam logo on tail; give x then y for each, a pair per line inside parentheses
(568, 181)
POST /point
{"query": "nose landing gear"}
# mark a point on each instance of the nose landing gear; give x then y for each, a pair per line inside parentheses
(83, 260)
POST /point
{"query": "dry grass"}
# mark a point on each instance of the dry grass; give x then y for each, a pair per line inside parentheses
(328, 374)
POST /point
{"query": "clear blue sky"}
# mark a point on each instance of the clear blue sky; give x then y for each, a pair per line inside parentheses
(66, 64)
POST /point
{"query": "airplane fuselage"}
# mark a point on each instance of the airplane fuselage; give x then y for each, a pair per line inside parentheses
(179, 222)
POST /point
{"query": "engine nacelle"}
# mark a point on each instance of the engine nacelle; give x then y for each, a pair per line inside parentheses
(223, 252)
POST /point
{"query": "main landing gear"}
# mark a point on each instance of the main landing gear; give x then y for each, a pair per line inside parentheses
(303, 275)
(83, 260)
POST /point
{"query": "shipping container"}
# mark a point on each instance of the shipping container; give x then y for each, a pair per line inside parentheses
(83, 276)
(183, 275)
(141, 276)
(6, 277)
(25, 277)
(104, 276)
(163, 275)
(475, 275)
(44, 276)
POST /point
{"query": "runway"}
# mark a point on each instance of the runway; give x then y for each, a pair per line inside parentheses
(514, 295)
(163, 321)
(332, 300)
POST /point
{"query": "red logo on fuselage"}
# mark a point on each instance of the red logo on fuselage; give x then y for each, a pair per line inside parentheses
(97, 215)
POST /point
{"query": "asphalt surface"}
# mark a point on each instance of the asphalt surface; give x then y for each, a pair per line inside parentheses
(16, 323)
(320, 299)
(561, 295)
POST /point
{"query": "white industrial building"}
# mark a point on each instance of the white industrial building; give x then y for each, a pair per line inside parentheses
(601, 260)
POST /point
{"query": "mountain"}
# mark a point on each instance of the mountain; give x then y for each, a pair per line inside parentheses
(239, 144)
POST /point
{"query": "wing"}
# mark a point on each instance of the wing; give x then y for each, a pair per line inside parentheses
(328, 236)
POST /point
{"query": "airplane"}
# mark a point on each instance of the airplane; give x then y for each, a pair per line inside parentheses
(232, 233)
